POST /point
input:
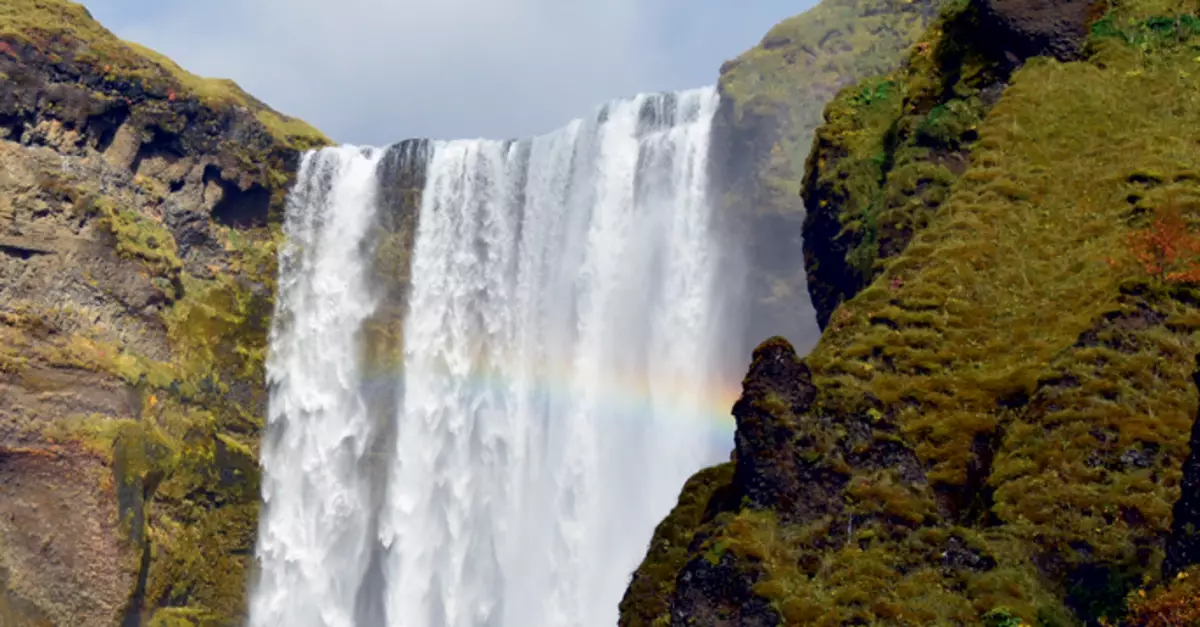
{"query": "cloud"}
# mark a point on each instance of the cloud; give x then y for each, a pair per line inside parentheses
(367, 71)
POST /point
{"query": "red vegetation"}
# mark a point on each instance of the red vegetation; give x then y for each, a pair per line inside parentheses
(1174, 606)
(1167, 249)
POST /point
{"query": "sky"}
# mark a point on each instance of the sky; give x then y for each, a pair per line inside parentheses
(378, 71)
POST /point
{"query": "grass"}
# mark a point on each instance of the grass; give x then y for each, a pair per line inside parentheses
(1050, 174)
(62, 27)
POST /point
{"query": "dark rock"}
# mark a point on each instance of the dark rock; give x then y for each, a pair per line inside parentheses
(958, 557)
(719, 595)
(255, 167)
(1019, 29)
(1183, 548)
(780, 464)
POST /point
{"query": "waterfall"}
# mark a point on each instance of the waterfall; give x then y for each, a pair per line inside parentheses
(555, 378)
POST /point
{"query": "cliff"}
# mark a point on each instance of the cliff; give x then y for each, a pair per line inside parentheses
(138, 220)
(994, 427)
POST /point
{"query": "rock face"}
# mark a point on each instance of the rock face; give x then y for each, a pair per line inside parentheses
(137, 213)
(979, 436)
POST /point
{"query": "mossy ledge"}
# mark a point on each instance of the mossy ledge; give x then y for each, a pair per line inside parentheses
(140, 213)
(994, 425)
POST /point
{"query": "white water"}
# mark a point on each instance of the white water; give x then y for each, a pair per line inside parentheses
(559, 358)
(312, 543)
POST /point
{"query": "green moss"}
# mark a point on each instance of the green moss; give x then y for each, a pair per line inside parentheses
(219, 329)
(1146, 34)
(884, 163)
(184, 617)
(1015, 262)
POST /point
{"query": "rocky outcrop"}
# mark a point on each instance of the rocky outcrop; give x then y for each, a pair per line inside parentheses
(138, 219)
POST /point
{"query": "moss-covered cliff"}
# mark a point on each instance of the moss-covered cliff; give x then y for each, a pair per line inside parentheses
(994, 426)
(138, 210)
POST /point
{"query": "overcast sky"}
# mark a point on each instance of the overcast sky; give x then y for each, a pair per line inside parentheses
(377, 71)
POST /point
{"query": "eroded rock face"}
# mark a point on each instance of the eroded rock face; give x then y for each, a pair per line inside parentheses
(62, 543)
(136, 285)
(772, 99)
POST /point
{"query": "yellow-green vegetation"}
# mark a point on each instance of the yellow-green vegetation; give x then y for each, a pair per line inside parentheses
(139, 237)
(50, 24)
(996, 292)
(1039, 374)
(219, 329)
(182, 617)
(1177, 603)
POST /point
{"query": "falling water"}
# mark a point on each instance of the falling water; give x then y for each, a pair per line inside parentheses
(312, 542)
(557, 380)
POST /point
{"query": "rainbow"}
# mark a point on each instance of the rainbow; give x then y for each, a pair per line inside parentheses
(622, 396)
